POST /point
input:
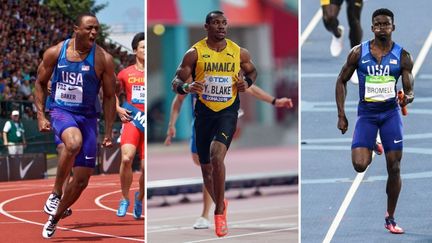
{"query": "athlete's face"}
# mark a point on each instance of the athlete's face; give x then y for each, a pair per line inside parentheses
(87, 31)
(217, 28)
(139, 52)
(382, 26)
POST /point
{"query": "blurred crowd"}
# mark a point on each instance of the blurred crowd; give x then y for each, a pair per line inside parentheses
(27, 29)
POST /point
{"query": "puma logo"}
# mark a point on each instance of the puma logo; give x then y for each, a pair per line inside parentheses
(225, 136)
(231, 55)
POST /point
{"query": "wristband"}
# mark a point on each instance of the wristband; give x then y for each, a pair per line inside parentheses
(274, 101)
(185, 86)
(180, 90)
(249, 81)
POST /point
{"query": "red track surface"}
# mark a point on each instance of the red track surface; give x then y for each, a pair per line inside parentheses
(22, 216)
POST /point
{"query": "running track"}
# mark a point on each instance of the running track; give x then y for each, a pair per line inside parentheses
(272, 217)
(93, 218)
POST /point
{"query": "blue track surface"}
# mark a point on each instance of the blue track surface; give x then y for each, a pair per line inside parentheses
(326, 169)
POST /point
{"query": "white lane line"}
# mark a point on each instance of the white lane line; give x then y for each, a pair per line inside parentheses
(4, 212)
(310, 27)
(233, 224)
(243, 235)
(248, 211)
(98, 201)
(422, 54)
(346, 202)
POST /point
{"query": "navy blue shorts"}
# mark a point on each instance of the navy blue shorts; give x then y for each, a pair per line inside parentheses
(61, 120)
(389, 124)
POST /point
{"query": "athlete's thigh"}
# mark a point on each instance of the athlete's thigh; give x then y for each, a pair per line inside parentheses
(391, 130)
(204, 132)
(60, 121)
(226, 127)
(87, 155)
(365, 132)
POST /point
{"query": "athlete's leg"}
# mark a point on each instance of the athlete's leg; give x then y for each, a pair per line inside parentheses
(141, 182)
(330, 18)
(207, 200)
(74, 189)
(394, 182)
(354, 8)
(217, 155)
(364, 137)
(72, 140)
(392, 139)
(128, 153)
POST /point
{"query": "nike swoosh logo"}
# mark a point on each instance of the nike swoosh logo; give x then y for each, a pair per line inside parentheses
(61, 66)
(23, 172)
(397, 141)
(107, 162)
(365, 61)
(86, 157)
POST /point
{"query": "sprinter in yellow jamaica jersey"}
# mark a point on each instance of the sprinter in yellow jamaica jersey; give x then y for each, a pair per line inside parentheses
(215, 63)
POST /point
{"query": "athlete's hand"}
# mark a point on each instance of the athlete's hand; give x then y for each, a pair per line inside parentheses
(284, 102)
(171, 133)
(343, 124)
(196, 87)
(124, 114)
(43, 124)
(242, 85)
(107, 141)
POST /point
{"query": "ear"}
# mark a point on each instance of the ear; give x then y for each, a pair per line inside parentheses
(206, 26)
(75, 28)
(372, 28)
(394, 27)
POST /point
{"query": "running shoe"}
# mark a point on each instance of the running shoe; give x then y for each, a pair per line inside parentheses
(201, 223)
(51, 204)
(137, 211)
(124, 204)
(354, 78)
(67, 213)
(392, 226)
(49, 228)
(221, 227)
(336, 45)
(378, 148)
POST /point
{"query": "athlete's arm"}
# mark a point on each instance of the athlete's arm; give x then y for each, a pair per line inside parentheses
(44, 72)
(123, 113)
(175, 110)
(180, 83)
(260, 94)
(345, 74)
(248, 73)
(407, 78)
(109, 98)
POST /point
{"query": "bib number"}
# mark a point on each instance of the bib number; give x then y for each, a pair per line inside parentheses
(138, 94)
(379, 88)
(217, 88)
(69, 95)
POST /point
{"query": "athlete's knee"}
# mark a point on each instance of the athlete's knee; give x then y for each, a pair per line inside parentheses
(127, 159)
(393, 168)
(360, 165)
(73, 146)
(81, 183)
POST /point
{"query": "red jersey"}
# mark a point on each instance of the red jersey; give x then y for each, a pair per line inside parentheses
(132, 82)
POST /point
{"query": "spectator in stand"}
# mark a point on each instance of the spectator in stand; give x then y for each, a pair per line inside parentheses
(13, 134)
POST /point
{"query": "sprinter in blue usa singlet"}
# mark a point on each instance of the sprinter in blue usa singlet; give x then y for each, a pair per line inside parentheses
(380, 63)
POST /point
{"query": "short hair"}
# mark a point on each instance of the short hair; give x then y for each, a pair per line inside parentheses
(209, 15)
(137, 38)
(383, 11)
(81, 15)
